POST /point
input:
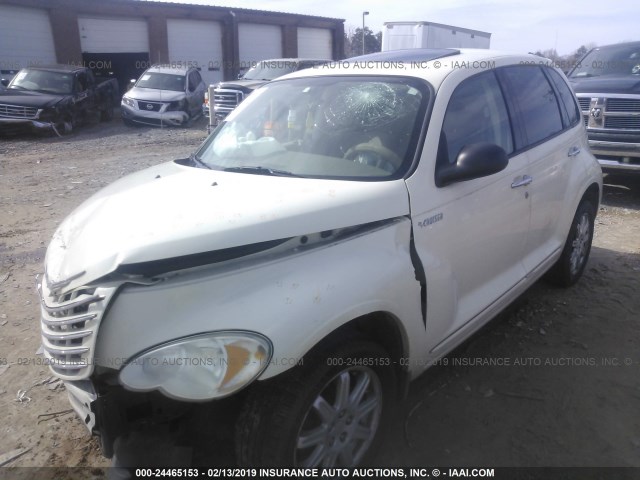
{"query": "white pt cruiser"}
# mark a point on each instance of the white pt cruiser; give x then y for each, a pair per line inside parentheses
(341, 230)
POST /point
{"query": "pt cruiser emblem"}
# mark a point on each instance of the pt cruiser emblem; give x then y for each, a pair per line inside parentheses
(431, 220)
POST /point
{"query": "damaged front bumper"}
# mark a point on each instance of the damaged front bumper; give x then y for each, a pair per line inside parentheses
(18, 124)
(82, 397)
(161, 118)
(111, 413)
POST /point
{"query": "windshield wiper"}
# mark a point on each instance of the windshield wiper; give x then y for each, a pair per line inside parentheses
(261, 171)
(195, 159)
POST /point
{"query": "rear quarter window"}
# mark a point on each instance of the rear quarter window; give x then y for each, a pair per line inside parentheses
(536, 100)
(567, 97)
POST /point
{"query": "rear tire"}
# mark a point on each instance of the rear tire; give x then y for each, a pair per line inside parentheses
(573, 260)
(330, 412)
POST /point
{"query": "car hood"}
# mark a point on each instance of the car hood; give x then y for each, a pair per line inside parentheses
(155, 95)
(29, 99)
(244, 85)
(172, 210)
(607, 84)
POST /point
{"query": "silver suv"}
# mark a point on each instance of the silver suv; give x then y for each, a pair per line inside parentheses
(164, 95)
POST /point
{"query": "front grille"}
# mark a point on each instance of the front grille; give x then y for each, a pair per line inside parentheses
(622, 123)
(225, 100)
(625, 105)
(585, 103)
(16, 111)
(149, 106)
(69, 325)
(619, 112)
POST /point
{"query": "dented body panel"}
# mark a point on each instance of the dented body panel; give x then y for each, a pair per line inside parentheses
(309, 293)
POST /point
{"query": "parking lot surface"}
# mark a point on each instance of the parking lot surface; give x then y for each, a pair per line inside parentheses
(553, 381)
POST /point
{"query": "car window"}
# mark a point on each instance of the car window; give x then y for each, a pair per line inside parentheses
(567, 98)
(360, 127)
(81, 82)
(196, 78)
(476, 113)
(534, 96)
(192, 82)
(161, 81)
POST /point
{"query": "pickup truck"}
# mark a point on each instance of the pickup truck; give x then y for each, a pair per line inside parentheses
(227, 95)
(55, 98)
(607, 84)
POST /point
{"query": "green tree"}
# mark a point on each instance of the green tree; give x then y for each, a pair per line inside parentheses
(353, 42)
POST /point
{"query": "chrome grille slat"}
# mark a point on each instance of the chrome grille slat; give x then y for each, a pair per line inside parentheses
(69, 324)
(58, 321)
(54, 350)
(17, 111)
(66, 336)
(71, 366)
(71, 304)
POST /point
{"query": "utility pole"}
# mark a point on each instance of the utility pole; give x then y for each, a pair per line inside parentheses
(363, 15)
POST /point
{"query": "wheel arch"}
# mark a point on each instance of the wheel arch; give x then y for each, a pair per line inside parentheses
(593, 194)
(382, 328)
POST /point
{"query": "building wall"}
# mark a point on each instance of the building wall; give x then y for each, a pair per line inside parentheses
(64, 15)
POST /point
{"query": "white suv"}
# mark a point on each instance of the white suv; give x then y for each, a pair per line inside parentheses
(340, 231)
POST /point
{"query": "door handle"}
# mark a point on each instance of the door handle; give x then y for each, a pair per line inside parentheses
(524, 181)
(573, 151)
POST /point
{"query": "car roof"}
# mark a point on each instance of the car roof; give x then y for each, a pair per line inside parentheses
(61, 68)
(175, 69)
(433, 65)
(618, 45)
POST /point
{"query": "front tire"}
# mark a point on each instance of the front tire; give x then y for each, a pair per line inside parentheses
(573, 260)
(329, 412)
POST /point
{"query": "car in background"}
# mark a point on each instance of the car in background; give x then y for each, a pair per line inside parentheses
(227, 95)
(5, 77)
(164, 95)
(55, 98)
(607, 84)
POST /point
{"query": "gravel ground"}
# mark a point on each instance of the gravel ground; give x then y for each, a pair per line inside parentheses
(566, 393)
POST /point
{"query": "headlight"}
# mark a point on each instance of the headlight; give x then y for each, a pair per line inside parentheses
(129, 101)
(201, 367)
(177, 105)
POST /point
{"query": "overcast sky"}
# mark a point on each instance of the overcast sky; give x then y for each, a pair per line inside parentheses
(515, 25)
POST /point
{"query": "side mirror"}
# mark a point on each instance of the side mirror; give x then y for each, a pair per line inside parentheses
(474, 161)
(131, 83)
(240, 75)
(4, 82)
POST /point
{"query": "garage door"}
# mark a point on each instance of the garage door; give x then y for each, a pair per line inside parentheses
(315, 43)
(25, 38)
(100, 35)
(198, 43)
(258, 42)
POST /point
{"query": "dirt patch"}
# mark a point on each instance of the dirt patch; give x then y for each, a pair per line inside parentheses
(554, 381)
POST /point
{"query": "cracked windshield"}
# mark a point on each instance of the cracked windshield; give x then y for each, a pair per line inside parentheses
(353, 128)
